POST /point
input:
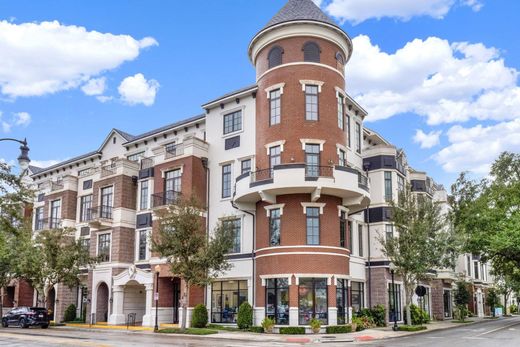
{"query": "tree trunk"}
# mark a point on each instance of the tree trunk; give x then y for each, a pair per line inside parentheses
(409, 295)
(506, 295)
(184, 305)
(2, 301)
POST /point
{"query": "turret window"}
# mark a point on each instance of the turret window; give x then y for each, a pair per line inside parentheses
(275, 106)
(275, 56)
(311, 52)
(311, 102)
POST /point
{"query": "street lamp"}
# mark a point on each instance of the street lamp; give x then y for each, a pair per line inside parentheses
(394, 298)
(156, 297)
(23, 158)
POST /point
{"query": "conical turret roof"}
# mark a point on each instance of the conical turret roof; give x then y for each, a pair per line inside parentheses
(296, 10)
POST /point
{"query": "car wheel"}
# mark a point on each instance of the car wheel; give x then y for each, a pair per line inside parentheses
(4, 323)
(23, 324)
(45, 326)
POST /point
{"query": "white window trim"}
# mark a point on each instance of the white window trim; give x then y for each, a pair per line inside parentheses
(343, 209)
(327, 276)
(232, 110)
(147, 254)
(280, 143)
(241, 218)
(268, 90)
(343, 277)
(313, 142)
(172, 168)
(312, 82)
(150, 189)
(264, 278)
(268, 208)
(321, 205)
(341, 92)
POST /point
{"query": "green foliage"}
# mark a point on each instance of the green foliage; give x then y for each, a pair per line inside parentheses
(222, 327)
(245, 316)
(419, 316)
(377, 314)
(70, 313)
(191, 331)
(315, 324)
(268, 324)
(461, 298)
(513, 309)
(492, 300)
(193, 256)
(292, 330)
(199, 319)
(338, 329)
(256, 329)
(412, 327)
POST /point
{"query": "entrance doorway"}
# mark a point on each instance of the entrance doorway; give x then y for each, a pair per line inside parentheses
(134, 301)
(51, 299)
(102, 303)
(176, 299)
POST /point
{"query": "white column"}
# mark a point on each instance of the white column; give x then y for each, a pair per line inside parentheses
(259, 314)
(149, 316)
(333, 315)
(293, 316)
(118, 316)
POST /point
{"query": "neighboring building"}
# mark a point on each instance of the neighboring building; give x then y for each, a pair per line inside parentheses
(284, 160)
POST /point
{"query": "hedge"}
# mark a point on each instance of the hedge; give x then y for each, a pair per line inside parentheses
(338, 329)
(199, 319)
(292, 330)
(412, 327)
(70, 313)
(256, 329)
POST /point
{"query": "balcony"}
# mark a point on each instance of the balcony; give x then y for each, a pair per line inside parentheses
(57, 185)
(100, 216)
(163, 199)
(48, 223)
(173, 150)
(107, 170)
(345, 182)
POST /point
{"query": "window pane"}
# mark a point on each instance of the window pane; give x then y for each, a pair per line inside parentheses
(340, 112)
(274, 227)
(144, 195)
(275, 106)
(245, 166)
(360, 239)
(311, 102)
(226, 181)
(313, 225)
(358, 138)
(232, 122)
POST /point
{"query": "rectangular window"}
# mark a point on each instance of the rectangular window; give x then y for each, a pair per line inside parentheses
(349, 231)
(143, 241)
(38, 218)
(340, 111)
(232, 122)
(312, 160)
(468, 265)
(143, 196)
(388, 186)
(226, 298)
(245, 166)
(172, 186)
(357, 296)
(349, 143)
(341, 300)
(275, 104)
(277, 300)
(55, 219)
(358, 137)
(360, 240)
(389, 231)
(342, 228)
(104, 247)
(275, 156)
(274, 227)
(311, 102)
(85, 213)
(226, 181)
(475, 270)
(394, 299)
(107, 197)
(136, 156)
(313, 225)
(85, 244)
(235, 225)
(312, 300)
(342, 158)
(446, 296)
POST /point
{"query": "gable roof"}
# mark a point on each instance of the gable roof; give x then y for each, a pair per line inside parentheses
(66, 162)
(249, 88)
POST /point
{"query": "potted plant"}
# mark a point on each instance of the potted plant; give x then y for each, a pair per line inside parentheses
(356, 321)
(268, 325)
(315, 325)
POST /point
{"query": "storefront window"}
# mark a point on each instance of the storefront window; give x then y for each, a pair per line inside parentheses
(341, 300)
(312, 300)
(226, 297)
(394, 298)
(447, 303)
(277, 300)
(357, 292)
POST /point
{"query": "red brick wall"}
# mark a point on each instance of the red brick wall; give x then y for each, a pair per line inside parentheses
(125, 191)
(25, 293)
(68, 204)
(123, 244)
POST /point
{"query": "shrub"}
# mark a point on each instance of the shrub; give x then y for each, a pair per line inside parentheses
(191, 331)
(338, 329)
(256, 329)
(268, 324)
(419, 316)
(199, 319)
(245, 316)
(315, 324)
(358, 322)
(292, 330)
(376, 315)
(70, 313)
(412, 327)
(513, 309)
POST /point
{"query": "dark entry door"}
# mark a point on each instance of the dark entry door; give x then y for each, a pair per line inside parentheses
(176, 298)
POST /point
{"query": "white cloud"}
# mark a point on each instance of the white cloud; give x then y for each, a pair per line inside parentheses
(427, 140)
(441, 81)
(22, 118)
(94, 86)
(104, 98)
(19, 119)
(66, 56)
(357, 11)
(137, 90)
(475, 148)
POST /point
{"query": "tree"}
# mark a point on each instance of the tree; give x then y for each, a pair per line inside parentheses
(53, 256)
(492, 300)
(191, 254)
(487, 212)
(461, 299)
(424, 241)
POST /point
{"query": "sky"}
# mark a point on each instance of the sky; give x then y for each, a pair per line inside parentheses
(439, 78)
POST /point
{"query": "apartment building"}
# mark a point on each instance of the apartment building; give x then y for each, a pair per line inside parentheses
(286, 160)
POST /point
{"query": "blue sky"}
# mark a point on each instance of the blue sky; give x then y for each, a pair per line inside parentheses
(439, 77)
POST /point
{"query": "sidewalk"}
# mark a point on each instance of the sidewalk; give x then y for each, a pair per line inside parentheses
(365, 335)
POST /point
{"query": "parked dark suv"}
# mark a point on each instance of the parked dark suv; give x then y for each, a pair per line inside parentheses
(25, 317)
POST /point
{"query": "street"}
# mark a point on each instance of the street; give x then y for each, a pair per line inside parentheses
(502, 332)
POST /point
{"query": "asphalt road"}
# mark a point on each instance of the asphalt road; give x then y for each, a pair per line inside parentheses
(502, 333)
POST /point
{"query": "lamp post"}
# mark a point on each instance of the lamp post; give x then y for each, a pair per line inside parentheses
(392, 272)
(156, 297)
(23, 158)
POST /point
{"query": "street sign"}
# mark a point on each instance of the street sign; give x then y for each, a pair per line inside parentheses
(420, 291)
(156, 296)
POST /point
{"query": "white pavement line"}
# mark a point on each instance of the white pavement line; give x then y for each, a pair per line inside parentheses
(497, 329)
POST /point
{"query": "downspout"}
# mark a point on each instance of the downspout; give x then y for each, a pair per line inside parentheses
(366, 166)
(206, 168)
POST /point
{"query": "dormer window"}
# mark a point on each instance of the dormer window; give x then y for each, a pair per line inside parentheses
(275, 56)
(311, 52)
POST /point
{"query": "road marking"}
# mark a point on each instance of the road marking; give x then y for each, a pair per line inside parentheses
(497, 329)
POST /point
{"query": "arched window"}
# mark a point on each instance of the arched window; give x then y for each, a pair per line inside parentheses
(340, 58)
(275, 56)
(311, 52)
